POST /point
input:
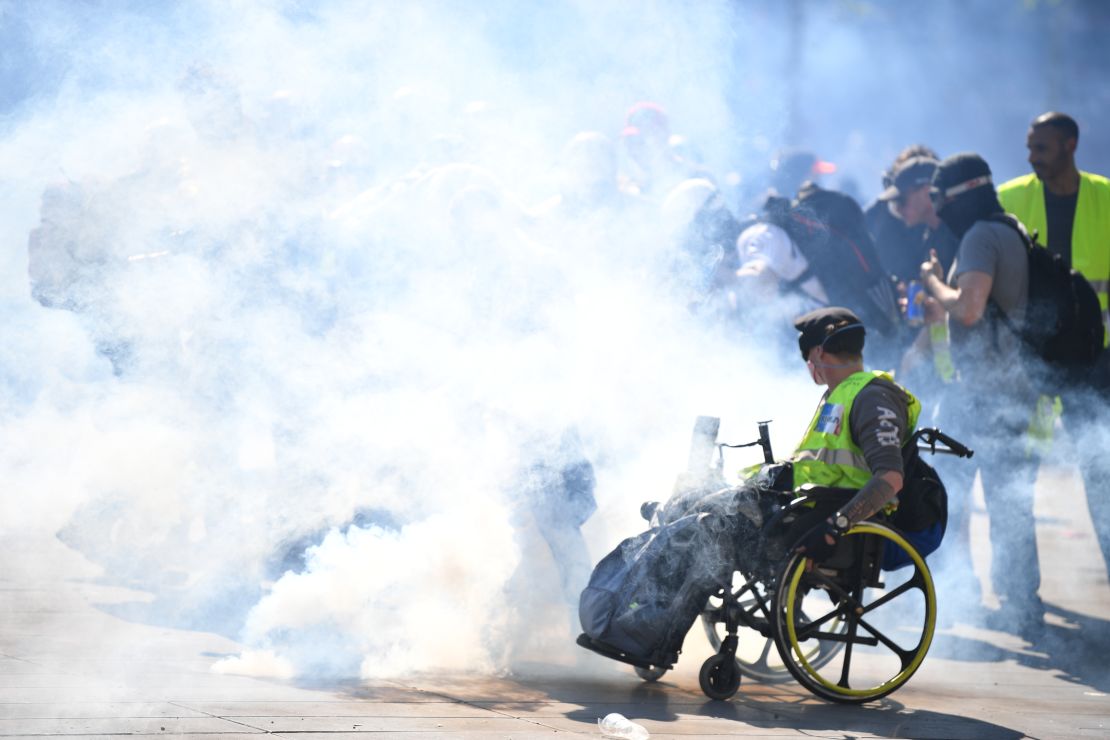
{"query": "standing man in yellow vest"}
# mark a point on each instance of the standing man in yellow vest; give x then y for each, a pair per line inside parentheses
(855, 438)
(1070, 211)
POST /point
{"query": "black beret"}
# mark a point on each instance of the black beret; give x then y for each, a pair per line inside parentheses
(836, 329)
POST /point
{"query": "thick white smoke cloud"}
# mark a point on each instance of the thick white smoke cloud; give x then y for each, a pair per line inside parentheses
(308, 326)
(290, 366)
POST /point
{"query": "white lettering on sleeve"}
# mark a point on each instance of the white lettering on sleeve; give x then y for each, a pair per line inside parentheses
(888, 434)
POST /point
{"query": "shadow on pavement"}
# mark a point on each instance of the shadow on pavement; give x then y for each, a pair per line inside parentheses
(1076, 650)
(559, 694)
(789, 708)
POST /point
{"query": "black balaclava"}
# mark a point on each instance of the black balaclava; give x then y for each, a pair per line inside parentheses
(974, 204)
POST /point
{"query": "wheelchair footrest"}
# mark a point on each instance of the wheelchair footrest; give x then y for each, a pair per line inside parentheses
(613, 653)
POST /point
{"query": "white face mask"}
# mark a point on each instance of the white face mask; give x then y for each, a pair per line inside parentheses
(816, 366)
(815, 372)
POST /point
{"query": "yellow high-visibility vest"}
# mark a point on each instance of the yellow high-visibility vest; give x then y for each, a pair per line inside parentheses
(827, 456)
(1090, 235)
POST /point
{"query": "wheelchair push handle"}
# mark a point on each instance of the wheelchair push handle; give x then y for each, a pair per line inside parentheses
(931, 435)
(764, 441)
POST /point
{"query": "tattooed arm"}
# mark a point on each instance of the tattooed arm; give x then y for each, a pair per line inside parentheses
(873, 496)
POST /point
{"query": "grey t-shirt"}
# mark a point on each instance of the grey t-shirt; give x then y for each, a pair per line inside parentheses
(988, 352)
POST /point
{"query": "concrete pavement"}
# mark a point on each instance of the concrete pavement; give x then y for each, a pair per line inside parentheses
(70, 668)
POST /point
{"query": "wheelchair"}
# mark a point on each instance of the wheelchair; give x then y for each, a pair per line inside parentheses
(851, 629)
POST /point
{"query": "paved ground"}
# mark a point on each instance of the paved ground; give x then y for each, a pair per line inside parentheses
(69, 668)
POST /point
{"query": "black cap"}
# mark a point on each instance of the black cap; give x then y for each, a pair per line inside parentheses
(909, 175)
(958, 174)
(835, 328)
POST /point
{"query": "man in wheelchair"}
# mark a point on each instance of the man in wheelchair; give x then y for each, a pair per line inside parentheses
(850, 464)
(856, 437)
(779, 533)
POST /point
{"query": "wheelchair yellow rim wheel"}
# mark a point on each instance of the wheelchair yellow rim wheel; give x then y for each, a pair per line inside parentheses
(827, 688)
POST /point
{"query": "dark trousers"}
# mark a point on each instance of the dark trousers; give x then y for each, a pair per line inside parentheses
(1084, 415)
(994, 426)
(951, 563)
(1008, 475)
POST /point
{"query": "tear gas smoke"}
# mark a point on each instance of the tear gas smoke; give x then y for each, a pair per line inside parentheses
(297, 331)
(297, 323)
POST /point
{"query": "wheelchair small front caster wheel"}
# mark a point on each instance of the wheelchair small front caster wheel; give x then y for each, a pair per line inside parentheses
(719, 677)
(651, 675)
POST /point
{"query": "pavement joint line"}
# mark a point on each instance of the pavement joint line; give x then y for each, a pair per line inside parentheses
(95, 716)
(216, 716)
(487, 709)
(21, 660)
(519, 719)
(179, 705)
(448, 700)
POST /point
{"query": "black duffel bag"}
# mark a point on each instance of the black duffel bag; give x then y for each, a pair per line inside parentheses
(643, 597)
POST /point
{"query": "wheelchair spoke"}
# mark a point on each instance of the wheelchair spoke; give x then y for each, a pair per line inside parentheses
(890, 595)
(906, 656)
(813, 626)
(836, 589)
(806, 631)
(847, 665)
(760, 603)
(754, 612)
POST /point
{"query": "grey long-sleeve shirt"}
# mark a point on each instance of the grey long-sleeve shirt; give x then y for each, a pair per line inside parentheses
(879, 424)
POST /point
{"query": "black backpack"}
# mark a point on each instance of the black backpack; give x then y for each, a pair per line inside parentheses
(830, 230)
(923, 500)
(1063, 319)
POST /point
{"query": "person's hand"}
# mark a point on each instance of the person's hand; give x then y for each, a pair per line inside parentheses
(934, 312)
(931, 266)
(820, 542)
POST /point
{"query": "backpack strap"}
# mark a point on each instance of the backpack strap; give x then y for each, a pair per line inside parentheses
(1012, 222)
(992, 305)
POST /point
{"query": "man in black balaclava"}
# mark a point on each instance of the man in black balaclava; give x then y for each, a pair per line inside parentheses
(994, 398)
(963, 192)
